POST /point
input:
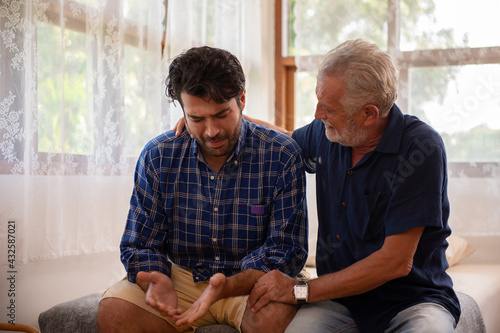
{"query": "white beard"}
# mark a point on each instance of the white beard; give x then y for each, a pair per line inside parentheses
(351, 136)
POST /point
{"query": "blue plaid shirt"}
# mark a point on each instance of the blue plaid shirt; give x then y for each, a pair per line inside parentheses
(251, 214)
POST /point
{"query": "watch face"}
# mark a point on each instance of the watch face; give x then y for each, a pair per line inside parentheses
(300, 292)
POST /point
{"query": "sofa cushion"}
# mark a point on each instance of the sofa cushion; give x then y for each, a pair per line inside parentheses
(458, 249)
(79, 315)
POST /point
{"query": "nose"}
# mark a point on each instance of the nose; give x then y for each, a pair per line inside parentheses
(320, 112)
(212, 128)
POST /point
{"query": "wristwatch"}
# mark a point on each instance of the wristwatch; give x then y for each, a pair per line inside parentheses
(301, 292)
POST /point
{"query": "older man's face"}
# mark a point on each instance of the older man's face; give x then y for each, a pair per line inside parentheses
(340, 125)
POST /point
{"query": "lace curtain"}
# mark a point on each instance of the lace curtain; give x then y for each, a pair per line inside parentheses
(239, 26)
(81, 92)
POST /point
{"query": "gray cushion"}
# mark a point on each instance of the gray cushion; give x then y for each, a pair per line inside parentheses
(80, 315)
(471, 319)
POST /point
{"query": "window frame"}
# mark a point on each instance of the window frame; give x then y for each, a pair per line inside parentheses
(405, 60)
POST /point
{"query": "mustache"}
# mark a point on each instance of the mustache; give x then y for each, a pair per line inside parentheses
(215, 138)
(326, 124)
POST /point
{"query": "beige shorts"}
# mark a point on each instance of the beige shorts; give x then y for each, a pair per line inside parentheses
(225, 311)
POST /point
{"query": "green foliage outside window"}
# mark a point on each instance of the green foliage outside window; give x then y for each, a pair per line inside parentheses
(64, 110)
(316, 26)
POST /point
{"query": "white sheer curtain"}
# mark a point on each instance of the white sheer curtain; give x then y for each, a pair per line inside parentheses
(82, 91)
(239, 26)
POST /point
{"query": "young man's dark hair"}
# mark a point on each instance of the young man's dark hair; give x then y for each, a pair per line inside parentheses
(205, 72)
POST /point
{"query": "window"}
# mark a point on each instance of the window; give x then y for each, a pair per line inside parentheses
(80, 85)
(449, 64)
(69, 128)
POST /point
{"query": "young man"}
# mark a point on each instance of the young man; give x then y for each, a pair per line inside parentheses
(383, 214)
(212, 210)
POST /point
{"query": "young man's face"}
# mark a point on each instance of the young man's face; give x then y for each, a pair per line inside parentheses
(216, 127)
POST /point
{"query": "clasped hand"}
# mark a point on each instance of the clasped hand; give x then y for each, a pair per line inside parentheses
(274, 286)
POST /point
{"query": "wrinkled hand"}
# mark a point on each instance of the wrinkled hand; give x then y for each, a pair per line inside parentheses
(275, 286)
(200, 307)
(179, 126)
(161, 294)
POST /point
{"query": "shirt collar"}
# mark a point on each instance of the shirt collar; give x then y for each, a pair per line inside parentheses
(241, 140)
(391, 140)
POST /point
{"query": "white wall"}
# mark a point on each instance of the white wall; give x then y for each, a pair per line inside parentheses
(41, 285)
(474, 206)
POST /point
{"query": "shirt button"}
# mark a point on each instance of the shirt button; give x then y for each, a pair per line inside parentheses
(212, 177)
(216, 209)
(235, 162)
(350, 172)
(197, 278)
(337, 237)
(214, 239)
(344, 205)
(217, 258)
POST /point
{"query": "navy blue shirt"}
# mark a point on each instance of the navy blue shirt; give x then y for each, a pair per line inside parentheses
(400, 185)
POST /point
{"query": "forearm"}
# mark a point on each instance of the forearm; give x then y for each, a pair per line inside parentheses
(241, 283)
(393, 260)
(356, 279)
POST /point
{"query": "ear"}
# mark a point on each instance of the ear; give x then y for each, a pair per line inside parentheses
(183, 122)
(243, 99)
(371, 114)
